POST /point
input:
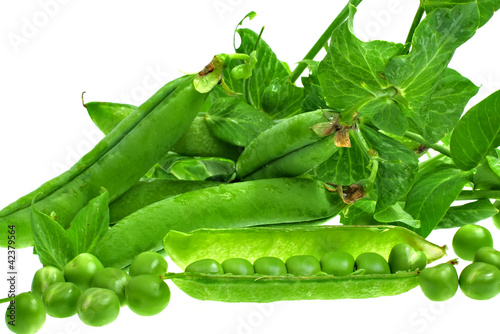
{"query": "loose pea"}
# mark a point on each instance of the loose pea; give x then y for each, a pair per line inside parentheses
(480, 281)
(147, 295)
(439, 283)
(469, 238)
(98, 307)
(25, 314)
(238, 267)
(61, 299)
(81, 270)
(271, 266)
(113, 279)
(404, 257)
(488, 255)
(337, 263)
(302, 265)
(148, 263)
(372, 263)
(205, 266)
(44, 277)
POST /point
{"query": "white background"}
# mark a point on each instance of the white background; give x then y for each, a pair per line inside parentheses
(123, 51)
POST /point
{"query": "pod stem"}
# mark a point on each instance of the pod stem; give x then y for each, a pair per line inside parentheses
(434, 146)
(6, 300)
(478, 194)
(416, 21)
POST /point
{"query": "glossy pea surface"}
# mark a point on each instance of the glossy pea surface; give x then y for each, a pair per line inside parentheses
(26, 314)
(44, 277)
(337, 263)
(147, 295)
(439, 283)
(271, 266)
(404, 257)
(113, 279)
(81, 270)
(480, 281)
(98, 307)
(469, 238)
(205, 266)
(302, 265)
(148, 263)
(372, 263)
(61, 299)
(238, 266)
(488, 255)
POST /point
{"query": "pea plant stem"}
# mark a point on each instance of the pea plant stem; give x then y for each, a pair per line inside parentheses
(322, 40)
(436, 147)
(416, 20)
(478, 194)
(6, 300)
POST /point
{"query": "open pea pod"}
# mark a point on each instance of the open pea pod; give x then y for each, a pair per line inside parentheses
(253, 243)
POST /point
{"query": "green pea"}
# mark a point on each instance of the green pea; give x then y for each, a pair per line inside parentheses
(147, 295)
(81, 270)
(488, 255)
(98, 307)
(205, 266)
(469, 238)
(25, 314)
(44, 277)
(61, 299)
(113, 279)
(270, 266)
(372, 263)
(238, 266)
(404, 257)
(148, 263)
(302, 265)
(337, 263)
(439, 283)
(480, 281)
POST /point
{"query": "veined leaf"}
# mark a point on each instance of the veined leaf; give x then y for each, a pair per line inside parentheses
(282, 99)
(477, 132)
(486, 7)
(52, 244)
(386, 115)
(236, 122)
(313, 96)
(201, 169)
(90, 224)
(469, 213)
(436, 38)
(396, 213)
(359, 213)
(431, 197)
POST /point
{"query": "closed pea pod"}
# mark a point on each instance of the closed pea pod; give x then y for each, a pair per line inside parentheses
(283, 243)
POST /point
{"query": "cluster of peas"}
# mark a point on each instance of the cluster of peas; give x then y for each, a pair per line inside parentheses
(95, 293)
(479, 280)
(403, 257)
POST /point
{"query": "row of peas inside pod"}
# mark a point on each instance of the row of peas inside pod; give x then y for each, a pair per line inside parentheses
(95, 293)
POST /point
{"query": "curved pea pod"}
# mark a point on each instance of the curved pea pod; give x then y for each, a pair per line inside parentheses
(116, 163)
(196, 141)
(184, 248)
(232, 205)
(290, 148)
(147, 192)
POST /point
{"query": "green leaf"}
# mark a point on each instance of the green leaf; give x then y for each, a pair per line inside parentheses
(446, 105)
(386, 115)
(282, 99)
(313, 96)
(52, 243)
(351, 74)
(431, 197)
(90, 224)
(397, 168)
(359, 213)
(234, 121)
(204, 169)
(486, 7)
(396, 213)
(469, 213)
(417, 74)
(477, 132)
(346, 167)
(487, 175)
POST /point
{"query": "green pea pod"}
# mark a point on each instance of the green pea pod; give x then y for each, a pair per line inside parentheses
(146, 192)
(196, 141)
(290, 148)
(116, 163)
(250, 244)
(225, 206)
